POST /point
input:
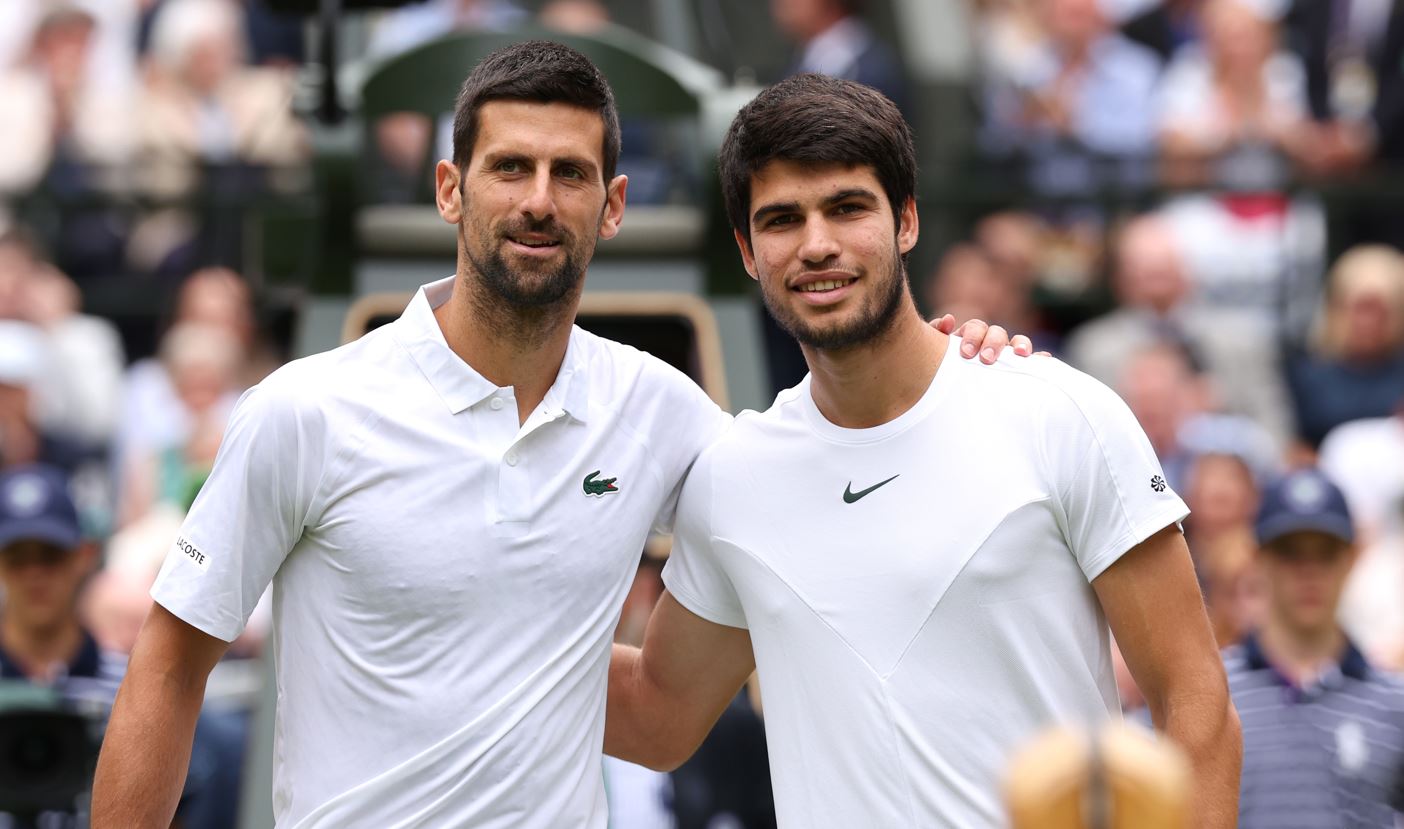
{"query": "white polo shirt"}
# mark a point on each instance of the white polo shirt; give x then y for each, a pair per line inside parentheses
(445, 581)
(918, 594)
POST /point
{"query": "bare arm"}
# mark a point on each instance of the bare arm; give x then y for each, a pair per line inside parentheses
(1155, 610)
(664, 698)
(146, 751)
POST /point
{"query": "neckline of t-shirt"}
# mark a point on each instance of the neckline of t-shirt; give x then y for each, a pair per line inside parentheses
(828, 430)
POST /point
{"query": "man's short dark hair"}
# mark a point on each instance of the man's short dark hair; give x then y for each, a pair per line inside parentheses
(542, 72)
(815, 119)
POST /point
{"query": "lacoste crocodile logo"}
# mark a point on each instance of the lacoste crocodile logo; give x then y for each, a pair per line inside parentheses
(849, 496)
(599, 488)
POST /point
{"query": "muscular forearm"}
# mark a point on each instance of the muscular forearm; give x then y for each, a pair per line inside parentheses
(1205, 725)
(636, 726)
(146, 751)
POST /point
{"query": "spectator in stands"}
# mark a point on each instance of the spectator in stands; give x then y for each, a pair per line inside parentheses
(79, 391)
(1355, 83)
(1230, 104)
(204, 109)
(1222, 494)
(23, 359)
(1356, 369)
(1323, 730)
(157, 418)
(403, 138)
(56, 110)
(1164, 387)
(1087, 89)
(43, 562)
(833, 39)
(202, 362)
(966, 285)
(1367, 458)
(1233, 591)
(1155, 302)
(574, 16)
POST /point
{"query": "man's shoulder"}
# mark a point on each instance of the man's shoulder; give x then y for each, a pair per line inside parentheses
(632, 381)
(1043, 385)
(352, 370)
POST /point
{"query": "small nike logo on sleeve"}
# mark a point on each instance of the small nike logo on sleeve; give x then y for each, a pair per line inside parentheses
(849, 496)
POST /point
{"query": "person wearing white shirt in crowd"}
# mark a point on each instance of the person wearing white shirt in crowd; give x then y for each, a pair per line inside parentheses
(450, 509)
(910, 626)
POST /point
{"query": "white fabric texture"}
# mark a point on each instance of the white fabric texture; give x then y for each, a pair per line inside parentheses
(918, 594)
(445, 588)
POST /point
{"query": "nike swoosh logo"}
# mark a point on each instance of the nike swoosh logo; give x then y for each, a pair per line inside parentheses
(849, 496)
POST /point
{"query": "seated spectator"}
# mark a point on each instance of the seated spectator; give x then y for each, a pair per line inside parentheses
(1233, 591)
(44, 561)
(402, 139)
(1230, 104)
(1087, 89)
(54, 109)
(1356, 369)
(23, 441)
(154, 418)
(1323, 729)
(1222, 494)
(1164, 388)
(203, 105)
(202, 363)
(79, 392)
(581, 17)
(1155, 302)
(833, 40)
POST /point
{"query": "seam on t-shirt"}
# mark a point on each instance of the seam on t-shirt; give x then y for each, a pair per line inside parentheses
(808, 606)
(978, 547)
(907, 788)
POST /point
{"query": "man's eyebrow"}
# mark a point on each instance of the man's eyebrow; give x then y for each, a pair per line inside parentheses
(790, 207)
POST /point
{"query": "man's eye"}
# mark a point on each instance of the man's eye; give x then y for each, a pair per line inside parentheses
(571, 173)
(845, 209)
(509, 167)
(781, 220)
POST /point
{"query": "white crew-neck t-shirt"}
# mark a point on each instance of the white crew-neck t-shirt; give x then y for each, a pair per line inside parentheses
(446, 580)
(918, 594)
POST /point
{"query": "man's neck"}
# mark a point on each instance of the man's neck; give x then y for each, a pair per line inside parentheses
(37, 651)
(518, 347)
(870, 384)
(1301, 654)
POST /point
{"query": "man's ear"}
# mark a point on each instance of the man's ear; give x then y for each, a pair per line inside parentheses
(448, 194)
(908, 226)
(613, 215)
(748, 257)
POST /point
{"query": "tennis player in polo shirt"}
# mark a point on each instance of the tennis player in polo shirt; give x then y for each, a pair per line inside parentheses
(911, 626)
(450, 510)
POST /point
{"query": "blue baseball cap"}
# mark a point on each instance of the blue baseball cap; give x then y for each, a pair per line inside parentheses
(35, 506)
(1304, 500)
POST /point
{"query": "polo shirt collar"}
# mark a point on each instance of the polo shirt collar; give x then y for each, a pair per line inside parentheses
(458, 384)
(1352, 664)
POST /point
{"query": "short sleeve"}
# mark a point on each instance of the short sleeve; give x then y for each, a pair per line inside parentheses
(1111, 492)
(693, 422)
(248, 515)
(695, 573)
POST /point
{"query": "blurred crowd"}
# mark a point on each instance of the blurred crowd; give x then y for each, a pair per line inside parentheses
(1250, 328)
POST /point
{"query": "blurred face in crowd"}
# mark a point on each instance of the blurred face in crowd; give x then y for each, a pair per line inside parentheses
(1073, 24)
(1162, 391)
(1149, 273)
(41, 583)
(824, 250)
(61, 47)
(212, 58)
(1371, 325)
(532, 200)
(1221, 494)
(217, 297)
(967, 286)
(1239, 40)
(802, 20)
(1304, 573)
(16, 268)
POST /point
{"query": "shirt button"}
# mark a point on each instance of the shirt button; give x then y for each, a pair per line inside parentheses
(496, 404)
(510, 458)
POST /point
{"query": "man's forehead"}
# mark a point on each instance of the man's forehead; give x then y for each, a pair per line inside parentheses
(817, 179)
(536, 127)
